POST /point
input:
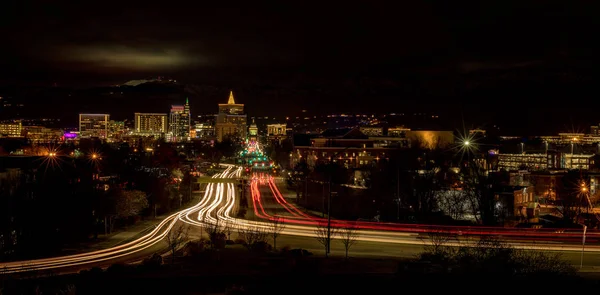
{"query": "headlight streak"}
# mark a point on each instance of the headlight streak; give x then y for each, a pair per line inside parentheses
(219, 201)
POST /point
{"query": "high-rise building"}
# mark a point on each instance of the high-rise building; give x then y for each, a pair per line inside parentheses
(11, 129)
(93, 125)
(179, 122)
(231, 120)
(594, 131)
(150, 124)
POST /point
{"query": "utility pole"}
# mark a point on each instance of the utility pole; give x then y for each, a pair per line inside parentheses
(583, 245)
(329, 217)
(398, 191)
(306, 190)
(323, 211)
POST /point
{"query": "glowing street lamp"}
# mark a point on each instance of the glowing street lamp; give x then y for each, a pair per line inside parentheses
(466, 143)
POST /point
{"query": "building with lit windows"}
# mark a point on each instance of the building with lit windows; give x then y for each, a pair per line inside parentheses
(116, 129)
(545, 161)
(42, 134)
(179, 122)
(231, 120)
(276, 130)
(11, 129)
(150, 124)
(372, 130)
(93, 125)
(348, 146)
(276, 133)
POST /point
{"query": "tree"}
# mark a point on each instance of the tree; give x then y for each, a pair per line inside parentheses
(228, 228)
(453, 203)
(175, 238)
(324, 234)
(478, 187)
(424, 187)
(348, 237)
(276, 226)
(252, 235)
(216, 235)
(130, 203)
(570, 197)
(492, 256)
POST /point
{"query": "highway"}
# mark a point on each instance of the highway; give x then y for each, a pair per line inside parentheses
(130, 252)
(375, 239)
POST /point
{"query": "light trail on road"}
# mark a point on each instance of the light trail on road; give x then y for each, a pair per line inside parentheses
(543, 235)
(306, 228)
(152, 238)
(217, 205)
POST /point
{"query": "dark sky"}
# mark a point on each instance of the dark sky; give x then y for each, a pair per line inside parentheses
(77, 37)
(421, 48)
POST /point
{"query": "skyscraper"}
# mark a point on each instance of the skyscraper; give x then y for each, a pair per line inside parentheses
(231, 120)
(179, 122)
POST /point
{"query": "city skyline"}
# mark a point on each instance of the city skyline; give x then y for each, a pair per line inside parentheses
(478, 62)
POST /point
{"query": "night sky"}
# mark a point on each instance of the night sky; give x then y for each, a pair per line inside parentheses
(508, 62)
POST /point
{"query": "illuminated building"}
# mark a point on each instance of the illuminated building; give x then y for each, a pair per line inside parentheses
(594, 131)
(276, 133)
(545, 161)
(116, 129)
(150, 124)
(231, 120)
(253, 131)
(205, 130)
(276, 129)
(42, 134)
(397, 131)
(179, 122)
(93, 125)
(348, 146)
(11, 129)
(477, 132)
(372, 130)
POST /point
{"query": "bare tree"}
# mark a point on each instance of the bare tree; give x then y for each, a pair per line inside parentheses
(251, 234)
(228, 228)
(348, 237)
(479, 194)
(175, 238)
(324, 234)
(453, 202)
(131, 203)
(216, 235)
(276, 226)
(438, 241)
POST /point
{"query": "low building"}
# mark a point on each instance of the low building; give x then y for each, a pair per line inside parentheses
(545, 161)
(11, 129)
(348, 146)
(43, 135)
(93, 125)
